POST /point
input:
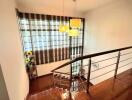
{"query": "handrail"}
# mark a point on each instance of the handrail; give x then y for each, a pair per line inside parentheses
(91, 55)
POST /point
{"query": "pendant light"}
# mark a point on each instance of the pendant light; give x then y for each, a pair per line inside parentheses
(62, 27)
(75, 24)
(73, 32)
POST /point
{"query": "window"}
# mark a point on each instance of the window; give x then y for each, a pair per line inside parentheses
(41, 35)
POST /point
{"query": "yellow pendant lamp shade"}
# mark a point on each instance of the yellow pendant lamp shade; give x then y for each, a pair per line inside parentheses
(63, 28)
(73, 32)
(75, 23)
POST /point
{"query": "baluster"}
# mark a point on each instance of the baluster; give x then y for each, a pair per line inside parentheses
(70, 87)
(60, 80)
(88, 77)
(117, 64)
(53, 79)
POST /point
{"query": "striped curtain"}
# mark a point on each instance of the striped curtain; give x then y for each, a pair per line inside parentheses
(40, 34)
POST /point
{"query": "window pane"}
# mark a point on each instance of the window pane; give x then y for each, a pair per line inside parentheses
(44, 36)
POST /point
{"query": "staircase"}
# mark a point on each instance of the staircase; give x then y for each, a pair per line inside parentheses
(110, 89)
(80, 80)
(62, 80)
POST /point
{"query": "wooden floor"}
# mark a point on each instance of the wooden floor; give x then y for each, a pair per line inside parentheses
(40, 84)
(111, 89)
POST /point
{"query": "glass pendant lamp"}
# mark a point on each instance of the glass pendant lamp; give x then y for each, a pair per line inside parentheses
(73, 32)
(62, 27)
(75, 24)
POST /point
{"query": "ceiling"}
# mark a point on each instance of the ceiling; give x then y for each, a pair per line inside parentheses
(82, 5)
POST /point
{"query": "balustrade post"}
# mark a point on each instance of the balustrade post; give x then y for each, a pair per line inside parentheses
(70, 87)
(117, 64)
(53, 80)
(88, 76)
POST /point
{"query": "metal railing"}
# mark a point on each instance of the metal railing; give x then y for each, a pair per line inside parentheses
(118, 54)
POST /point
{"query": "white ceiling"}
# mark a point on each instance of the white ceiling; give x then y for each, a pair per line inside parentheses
(82, 5)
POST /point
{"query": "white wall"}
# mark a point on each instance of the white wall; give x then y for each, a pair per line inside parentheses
(108, 27)
(3, 89)
(46, 68)
(11, 55)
